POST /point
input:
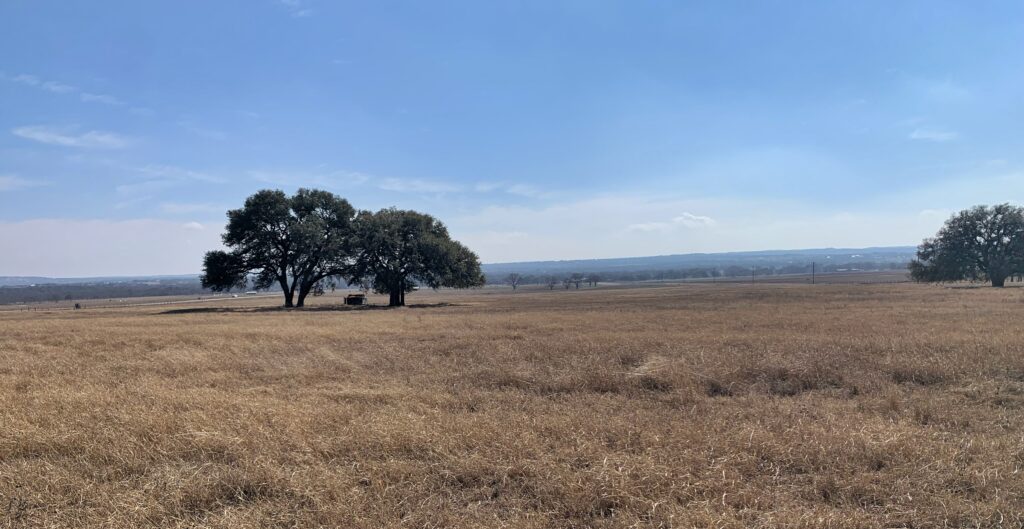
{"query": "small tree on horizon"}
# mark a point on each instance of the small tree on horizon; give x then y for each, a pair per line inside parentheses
(513, 280)
(981, 243)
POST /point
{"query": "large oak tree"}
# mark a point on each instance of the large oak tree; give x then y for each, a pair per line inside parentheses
(294, 242)
(981, 243)
(399, 248)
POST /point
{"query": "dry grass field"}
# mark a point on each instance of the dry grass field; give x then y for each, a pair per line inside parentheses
(666, 406)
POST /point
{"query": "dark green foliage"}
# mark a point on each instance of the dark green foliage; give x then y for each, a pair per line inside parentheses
(294, 242)
(981, 243)
(399, 248)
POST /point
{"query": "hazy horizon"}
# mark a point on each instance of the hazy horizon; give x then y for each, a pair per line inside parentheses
(535, 131)
(501, 263)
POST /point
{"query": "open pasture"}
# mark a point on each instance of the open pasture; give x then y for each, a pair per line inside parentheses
(693, 405)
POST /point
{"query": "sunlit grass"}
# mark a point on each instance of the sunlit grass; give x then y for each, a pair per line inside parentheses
(698, 405)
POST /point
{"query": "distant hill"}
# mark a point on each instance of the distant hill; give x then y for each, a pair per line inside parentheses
(660, 267)
(40, 289)
(826, 258)
(24, 281)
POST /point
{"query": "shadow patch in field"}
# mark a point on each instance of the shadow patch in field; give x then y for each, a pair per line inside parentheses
(920, 375)
(322, 308)
(772, 380)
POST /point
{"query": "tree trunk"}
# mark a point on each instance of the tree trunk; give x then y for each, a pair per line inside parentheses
(998, 281)
(303, 292)
(288, 293)
(395, 298)
(402, 298)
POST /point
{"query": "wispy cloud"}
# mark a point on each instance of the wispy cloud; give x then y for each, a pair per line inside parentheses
(523, 190)
(26, 79)
(177, 208)
(101, 98)
(693, 221)
(193, 226)
(416, 185)
(178, 173)
(67, 137)
(13, 183)
(933, 134)
(934, 90)
(297, 8)
(328, 179)
(687, 220)
(344, 178)
(145, 190)
(946, 91)
(157, 180)
(57, 87)
(204, 132)
(83, 247)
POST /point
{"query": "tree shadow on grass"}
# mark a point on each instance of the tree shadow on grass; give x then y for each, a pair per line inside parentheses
(317, 308)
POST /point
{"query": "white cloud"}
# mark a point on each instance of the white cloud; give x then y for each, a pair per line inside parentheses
(178, 173)
(58, 88)
(25, 78)
(343, 178)
(101, 98)
(193, 226)
(935, 214)
(329, 179)
(693, 221)
(97, 247)
(649, 226)
(204, 132)
(593, 227)
(139, 191)
(415, 185)
(932, 134)
(523, 190)
(66, 137)
(946, 91)
(177, 208)
(297, 8)
(932, 90)
(687, 220)
(160, 178)
(12, 183)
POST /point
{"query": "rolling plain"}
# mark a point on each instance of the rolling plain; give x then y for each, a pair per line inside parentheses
(691, 405)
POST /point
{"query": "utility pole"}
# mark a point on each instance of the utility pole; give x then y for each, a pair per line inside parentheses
(812, 272)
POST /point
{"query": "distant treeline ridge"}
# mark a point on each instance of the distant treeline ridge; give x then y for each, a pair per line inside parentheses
(697, 273)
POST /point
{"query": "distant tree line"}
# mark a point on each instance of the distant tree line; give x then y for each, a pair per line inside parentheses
(733, 271)
(126, 289)
(315, 238)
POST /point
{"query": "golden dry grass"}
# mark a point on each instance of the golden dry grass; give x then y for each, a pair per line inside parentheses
(680, 406)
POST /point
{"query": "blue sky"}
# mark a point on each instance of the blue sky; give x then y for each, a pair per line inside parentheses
(535, 130)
